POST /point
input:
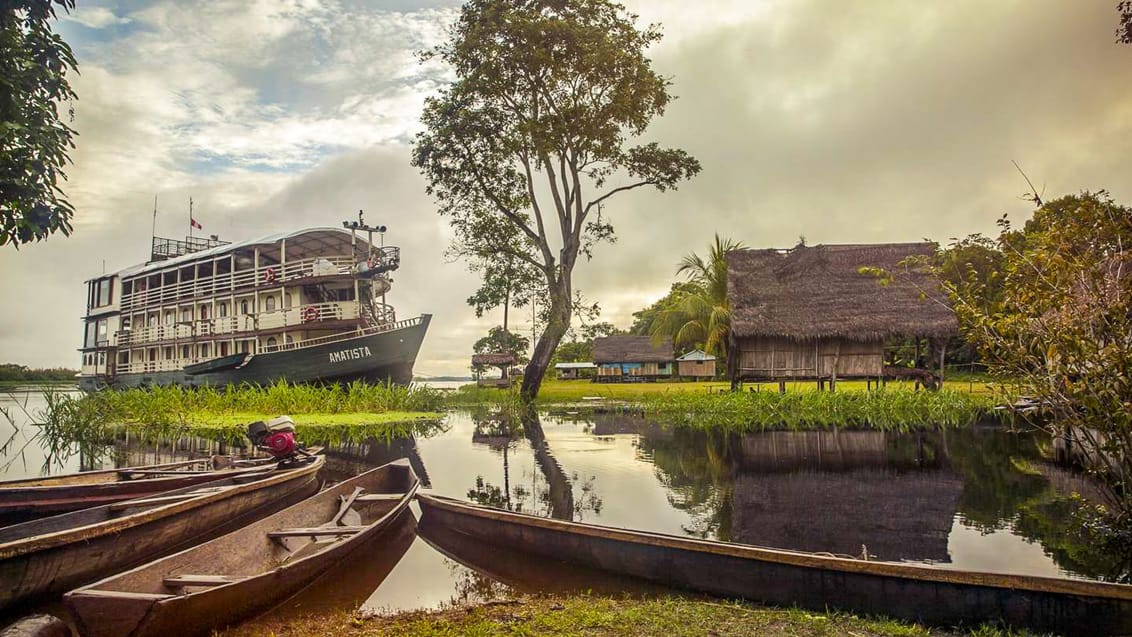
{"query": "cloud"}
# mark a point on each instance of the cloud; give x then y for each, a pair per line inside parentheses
(95, 17)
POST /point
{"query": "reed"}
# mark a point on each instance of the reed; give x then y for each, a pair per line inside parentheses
(758, 411)
(158, 406)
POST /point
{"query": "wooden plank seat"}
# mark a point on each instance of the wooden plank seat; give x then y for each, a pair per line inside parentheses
(378, 497)
(186, 579)
(316, 531)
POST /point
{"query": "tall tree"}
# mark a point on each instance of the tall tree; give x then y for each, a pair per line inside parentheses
(697, 313)
(533, 137)
(34, 141)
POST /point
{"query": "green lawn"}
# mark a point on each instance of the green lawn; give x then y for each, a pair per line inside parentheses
(567, 391)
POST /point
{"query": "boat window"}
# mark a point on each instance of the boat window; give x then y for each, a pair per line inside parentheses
(152, 354)
(169, 318)
(223, 309)
(186, 314)
(123, 358)
(204, 350)
(102, 296)
(184, 351)
(290, 339)
(224, 348)
(243, 307)
(269, 305)
(169, 352)
(102, 358)
(271, 341)
(204, 312)
(287, 301)
(102, 331)
(90, 332)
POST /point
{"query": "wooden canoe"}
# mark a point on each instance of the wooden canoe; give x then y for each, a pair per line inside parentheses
(249, 570)
(31, 497)
(790, 578)
(52, 555)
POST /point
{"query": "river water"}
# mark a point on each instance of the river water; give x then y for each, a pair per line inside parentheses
(980, 498)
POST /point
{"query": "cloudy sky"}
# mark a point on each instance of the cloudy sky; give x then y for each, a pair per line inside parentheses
(843, 122)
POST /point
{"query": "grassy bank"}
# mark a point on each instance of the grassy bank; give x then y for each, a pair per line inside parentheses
(709, 405)
(585, 615)
(321, 413)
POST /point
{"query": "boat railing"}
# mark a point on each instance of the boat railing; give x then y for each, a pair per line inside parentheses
(295, 316)
(266, 275)
(345, 336)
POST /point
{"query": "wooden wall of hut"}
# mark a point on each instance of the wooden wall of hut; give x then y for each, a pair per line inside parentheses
(783, 358)
(905, 516)
(785, 451)
(696, 369)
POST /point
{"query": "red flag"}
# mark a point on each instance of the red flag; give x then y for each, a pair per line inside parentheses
(194, 223)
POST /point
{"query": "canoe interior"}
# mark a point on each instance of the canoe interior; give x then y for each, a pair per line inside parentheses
(120, 474)
(122, 511)
(250, 551)
(790, 578)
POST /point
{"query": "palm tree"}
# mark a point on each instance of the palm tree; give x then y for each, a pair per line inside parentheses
(696, 313)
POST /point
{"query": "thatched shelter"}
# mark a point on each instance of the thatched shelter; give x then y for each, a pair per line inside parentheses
(502, 360)
(632, 358)
(810, 313)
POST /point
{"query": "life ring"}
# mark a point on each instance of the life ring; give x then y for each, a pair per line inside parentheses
(310, 313)
(269, 275)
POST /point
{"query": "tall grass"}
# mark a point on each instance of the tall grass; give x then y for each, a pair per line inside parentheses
(159, 406)
(758, 411)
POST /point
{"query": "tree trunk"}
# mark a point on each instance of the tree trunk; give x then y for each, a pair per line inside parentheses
(561, 309)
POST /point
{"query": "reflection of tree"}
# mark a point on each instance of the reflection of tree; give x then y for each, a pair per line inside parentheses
(998, 478)
(559, 494)
(1062, 527)
(473, 587)
(551, 493)
(696, 468)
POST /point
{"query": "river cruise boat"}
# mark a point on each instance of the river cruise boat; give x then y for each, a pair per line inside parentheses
(305, 306)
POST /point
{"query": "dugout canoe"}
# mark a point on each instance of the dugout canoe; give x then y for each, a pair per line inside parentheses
(913, 592)
(249, 570)
(31, 497)
(52, 555)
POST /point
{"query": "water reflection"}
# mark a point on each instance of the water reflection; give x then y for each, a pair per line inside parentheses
(979, 498)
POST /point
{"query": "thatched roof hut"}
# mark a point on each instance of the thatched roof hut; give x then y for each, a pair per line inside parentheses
(810, 312)
(498, 359)
(632, 349)
(818, 292)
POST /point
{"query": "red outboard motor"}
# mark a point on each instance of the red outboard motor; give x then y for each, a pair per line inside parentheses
(276, 437)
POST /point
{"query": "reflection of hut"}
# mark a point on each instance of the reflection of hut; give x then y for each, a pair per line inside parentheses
(574, 371)
(502, 360)
(629, 358)
(836, 490)
(787, 451)
(696, 364)
(810, 313)
(897, 516)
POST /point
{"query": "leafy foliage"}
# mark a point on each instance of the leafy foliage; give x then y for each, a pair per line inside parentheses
(523, 149)
(1124, 30)
(697, 314)
(15, 372)
(34, 142)
(1061, 329)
